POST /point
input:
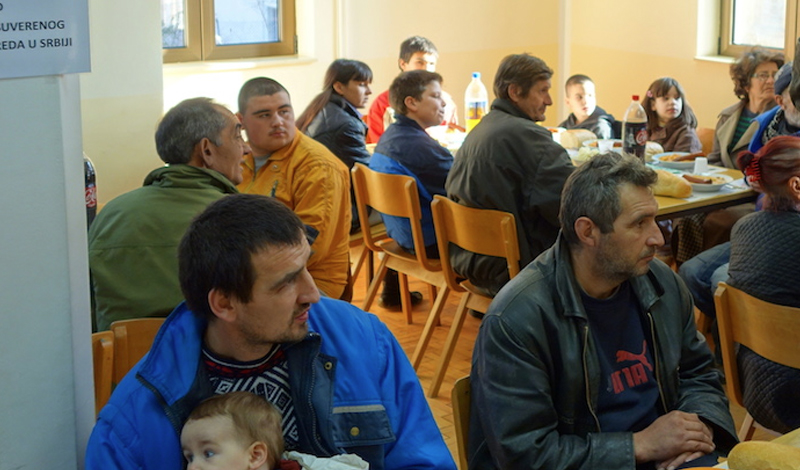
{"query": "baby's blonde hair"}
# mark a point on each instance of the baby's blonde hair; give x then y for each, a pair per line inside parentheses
(254, 418)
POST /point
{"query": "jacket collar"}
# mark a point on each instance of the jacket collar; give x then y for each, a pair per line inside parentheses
(647, 287)
(345, 105)
(280, 154)
(508, 107)
(189, 177)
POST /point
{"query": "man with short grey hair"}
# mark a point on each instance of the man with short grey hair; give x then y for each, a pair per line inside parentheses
(133, 241)
(590, 357)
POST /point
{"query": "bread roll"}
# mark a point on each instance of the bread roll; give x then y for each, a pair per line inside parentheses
(650, 149)
(671, 185)
(761, 455)
(574, 138)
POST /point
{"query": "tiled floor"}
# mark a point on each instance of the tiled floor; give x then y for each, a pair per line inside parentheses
(459, 366)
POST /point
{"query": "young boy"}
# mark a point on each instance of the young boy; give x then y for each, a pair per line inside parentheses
(406, 149)
(241, 430)
(416, 53)
(586, 114)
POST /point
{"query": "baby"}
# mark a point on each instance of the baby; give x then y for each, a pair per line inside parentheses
(242, 431)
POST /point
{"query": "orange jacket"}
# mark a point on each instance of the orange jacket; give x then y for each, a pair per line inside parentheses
(315, 184)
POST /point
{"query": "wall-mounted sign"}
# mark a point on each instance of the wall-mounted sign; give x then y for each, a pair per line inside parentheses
(43, 37)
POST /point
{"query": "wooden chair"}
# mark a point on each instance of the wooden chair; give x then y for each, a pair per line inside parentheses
(397, 195)
(132, 340)
(103, 359)
(706, 136)
(364, 254)
(460, 398)
(482, 231)
(771, 331)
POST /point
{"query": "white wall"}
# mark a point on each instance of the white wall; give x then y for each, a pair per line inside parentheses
(46, 400)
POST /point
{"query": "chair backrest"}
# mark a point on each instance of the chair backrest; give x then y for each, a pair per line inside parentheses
(771, 331)
(394, 195)
(460, 403)
(132, 340)
(482, 231)
(103, 359)
(706, 137)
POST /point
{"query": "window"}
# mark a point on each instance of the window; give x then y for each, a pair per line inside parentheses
(194, 30)
(766, 23)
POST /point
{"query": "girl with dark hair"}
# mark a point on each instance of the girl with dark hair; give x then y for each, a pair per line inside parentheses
(765, 247)
(670, 120)
(332, 117)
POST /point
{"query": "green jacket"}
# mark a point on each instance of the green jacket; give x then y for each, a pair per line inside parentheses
(536, 377)
(133, 242)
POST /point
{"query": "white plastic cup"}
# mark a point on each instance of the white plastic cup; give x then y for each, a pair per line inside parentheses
(605, 145)
(700, 165)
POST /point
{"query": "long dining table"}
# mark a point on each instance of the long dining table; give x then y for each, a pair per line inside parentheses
(731, 194)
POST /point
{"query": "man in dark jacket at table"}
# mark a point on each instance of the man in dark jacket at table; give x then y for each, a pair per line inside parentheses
(590, 357)
(510, 163)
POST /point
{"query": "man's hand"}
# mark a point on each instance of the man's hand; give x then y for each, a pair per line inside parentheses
(673, 439)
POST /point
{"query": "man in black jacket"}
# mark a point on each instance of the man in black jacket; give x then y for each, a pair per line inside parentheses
(510, 163)
(590, 357)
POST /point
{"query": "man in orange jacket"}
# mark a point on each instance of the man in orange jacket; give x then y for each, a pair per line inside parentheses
(301, 173)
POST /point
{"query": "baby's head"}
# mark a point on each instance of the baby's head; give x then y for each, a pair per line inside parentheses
(234, 431)
(581, 97)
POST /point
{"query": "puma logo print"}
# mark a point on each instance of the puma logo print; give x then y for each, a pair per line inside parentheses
(629, 356)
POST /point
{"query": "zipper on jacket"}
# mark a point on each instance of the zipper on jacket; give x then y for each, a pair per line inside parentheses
(656, 356)
(586, 375)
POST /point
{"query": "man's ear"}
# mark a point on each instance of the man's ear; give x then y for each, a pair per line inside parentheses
(794, 187)
(240, 118)
(779, 101)
(587, 231)
(206, 149)
(258, 455)
(222, 305)
(411, 103)
(402, 64)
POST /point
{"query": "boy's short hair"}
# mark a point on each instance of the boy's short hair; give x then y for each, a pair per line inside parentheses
(577, 79)
(415, 44)
(259, 86)
(411, 83)
(254, 419)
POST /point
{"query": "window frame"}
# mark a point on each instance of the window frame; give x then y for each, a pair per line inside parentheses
(201, 31)
(726, 46)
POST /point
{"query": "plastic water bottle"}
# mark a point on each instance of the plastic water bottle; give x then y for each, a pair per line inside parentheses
(634, 129)
(476, 101)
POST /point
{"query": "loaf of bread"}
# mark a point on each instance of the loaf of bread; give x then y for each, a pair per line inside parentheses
(761, 455)
(671, 185)
(574, 138)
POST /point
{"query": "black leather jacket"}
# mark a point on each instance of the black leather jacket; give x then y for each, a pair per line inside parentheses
(535, 372)
(340, 128)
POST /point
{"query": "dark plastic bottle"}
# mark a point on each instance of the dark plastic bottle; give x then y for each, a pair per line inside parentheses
(634, 129)
(90, 190)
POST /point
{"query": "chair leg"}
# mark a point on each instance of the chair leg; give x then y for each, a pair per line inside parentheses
(449, 345)
(370, 267)
(358, 262)
(434, 318)
(432, 290)
(405, 298)
(375, 284)
(748, 428)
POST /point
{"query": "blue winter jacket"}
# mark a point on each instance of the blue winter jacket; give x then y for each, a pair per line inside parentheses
(763, 120)
(353, 389)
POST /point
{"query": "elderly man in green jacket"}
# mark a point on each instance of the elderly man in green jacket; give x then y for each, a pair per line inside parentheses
(133, 241)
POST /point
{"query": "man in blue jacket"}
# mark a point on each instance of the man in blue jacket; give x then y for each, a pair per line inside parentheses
(253, 320)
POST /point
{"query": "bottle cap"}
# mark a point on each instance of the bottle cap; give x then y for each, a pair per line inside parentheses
(635, 97)
(476, 75)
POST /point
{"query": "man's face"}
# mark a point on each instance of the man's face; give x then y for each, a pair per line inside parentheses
(536, 101)
(789, 111)
(283, 292)
(419, 61)
(269, 122)
(627, 251)
(581, 100)
(227, 157)
(429, 110)
(212, 444)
